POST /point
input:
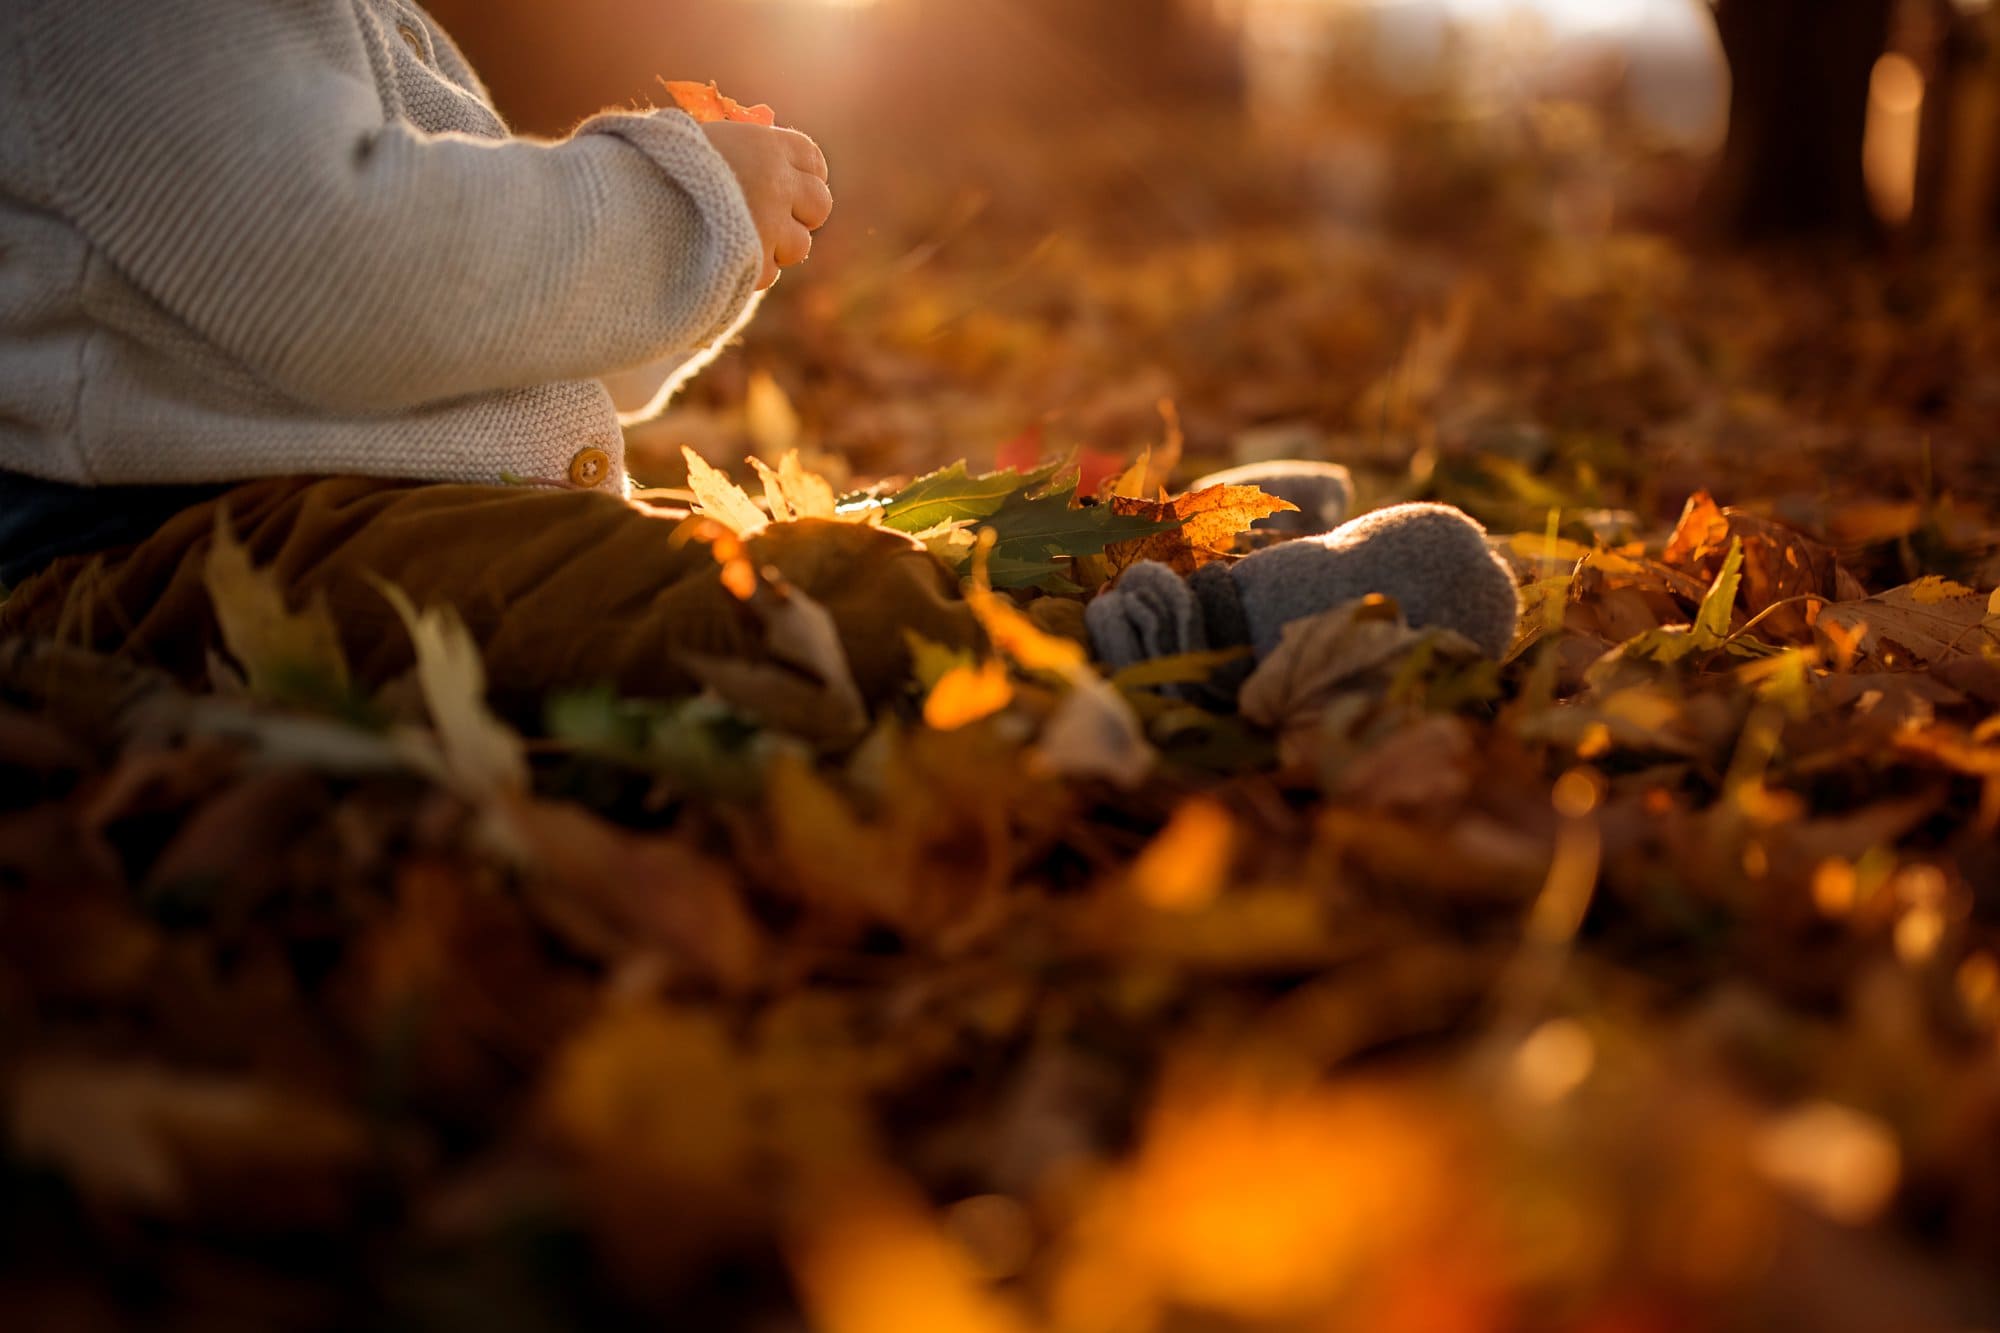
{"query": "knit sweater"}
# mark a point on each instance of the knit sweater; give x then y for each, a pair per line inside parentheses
(242, 238)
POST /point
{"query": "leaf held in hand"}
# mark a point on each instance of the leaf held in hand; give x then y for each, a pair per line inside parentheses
(708, 103)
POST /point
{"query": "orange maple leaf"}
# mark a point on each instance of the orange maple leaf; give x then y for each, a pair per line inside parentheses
(707, 103)
(1213, 517)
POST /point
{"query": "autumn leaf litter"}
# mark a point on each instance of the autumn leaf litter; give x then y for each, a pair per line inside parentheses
(1647, 976)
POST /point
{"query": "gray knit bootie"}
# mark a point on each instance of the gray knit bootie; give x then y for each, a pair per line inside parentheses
(1432, 559)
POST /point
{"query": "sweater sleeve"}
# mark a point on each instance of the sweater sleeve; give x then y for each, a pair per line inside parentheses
(234, 161)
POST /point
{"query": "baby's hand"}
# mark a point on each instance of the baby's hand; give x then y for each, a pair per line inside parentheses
(783, 175)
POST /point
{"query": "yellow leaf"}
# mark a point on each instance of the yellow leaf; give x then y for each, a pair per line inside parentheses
(1544, 547)
(1131, 483)
(965, 694)
(1934, 588)
(774, 493)
(483, 757)
(793, 491)
(722, 499)
(769, 416)
(284, 654)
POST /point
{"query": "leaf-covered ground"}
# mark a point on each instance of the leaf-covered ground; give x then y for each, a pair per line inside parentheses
(1648, 981)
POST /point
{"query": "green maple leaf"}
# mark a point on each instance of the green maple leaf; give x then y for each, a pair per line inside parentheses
(954, 495)
(1035, 523)
(1035, 534)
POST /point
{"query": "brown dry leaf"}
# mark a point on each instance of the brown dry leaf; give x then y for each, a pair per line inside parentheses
(829, 857)
(1259, 1205)
(1428, 765)
(1212, 519)
(1094, 733)
(803, 685)
(1780, 564)
(1925, 623)
(143, 1134)
(610, 892)
(1322, 656)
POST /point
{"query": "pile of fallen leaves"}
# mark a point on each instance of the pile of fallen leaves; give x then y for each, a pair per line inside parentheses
(1644, 980)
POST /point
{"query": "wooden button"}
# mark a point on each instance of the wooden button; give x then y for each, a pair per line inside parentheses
(412, 39)
(589, 468)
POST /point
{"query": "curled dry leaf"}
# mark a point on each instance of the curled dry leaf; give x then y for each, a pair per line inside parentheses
(1926, 623)
(1320, 657)
(1780, 565)
(1094, 733)
(803, 685)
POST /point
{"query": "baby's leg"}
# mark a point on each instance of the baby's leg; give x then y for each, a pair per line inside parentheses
(560, 589)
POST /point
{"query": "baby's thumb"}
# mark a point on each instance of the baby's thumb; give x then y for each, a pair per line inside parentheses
(1150, 613)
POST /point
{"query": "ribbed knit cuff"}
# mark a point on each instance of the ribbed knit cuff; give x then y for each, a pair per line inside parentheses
(675, 144)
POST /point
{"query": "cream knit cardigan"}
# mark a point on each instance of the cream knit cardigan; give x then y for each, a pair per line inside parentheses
(243, 238)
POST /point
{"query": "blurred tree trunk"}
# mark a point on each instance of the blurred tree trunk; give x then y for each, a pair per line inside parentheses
(1958, 170)
(1792, 164)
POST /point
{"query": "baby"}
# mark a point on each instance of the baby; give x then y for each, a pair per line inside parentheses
(282, 260)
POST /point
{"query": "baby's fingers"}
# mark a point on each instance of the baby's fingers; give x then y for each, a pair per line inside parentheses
(812, 202)
(803, 153)
(794, 244)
